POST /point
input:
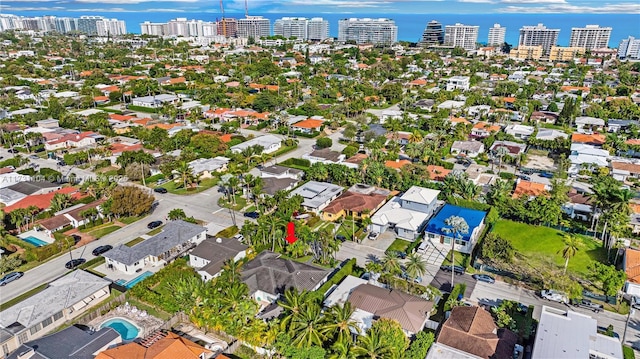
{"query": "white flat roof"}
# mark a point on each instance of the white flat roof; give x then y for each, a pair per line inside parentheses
(403, 218)
(341, 293)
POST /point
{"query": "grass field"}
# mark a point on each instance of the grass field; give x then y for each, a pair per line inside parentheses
(101, 232)
(538, 241)
(399, 245)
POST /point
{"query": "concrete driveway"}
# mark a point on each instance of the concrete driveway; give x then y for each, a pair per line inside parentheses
(384, 240)
(362, 253)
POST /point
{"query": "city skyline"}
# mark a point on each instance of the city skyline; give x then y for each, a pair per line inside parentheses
(329, 6)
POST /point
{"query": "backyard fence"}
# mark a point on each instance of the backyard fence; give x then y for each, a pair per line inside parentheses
(101, 310)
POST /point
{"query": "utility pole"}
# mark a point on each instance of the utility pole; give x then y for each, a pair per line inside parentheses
(626, 324)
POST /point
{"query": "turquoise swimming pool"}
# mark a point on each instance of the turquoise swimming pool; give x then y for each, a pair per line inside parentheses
(134, 281)
(127, 330)
(35, 241)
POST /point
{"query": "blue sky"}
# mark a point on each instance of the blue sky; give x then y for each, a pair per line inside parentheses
(258, 7)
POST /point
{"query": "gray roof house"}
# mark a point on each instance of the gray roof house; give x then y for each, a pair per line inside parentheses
(35, 187)
(209, 256)
(467, 148)
(325, 155)
(268, 276)
(271, 185)
(269, 143)
(71, 342)
(176, 238)
(204, 167)
(317, 195)
(546, 134)
(64, 299)
(154, 101)
(278, 171)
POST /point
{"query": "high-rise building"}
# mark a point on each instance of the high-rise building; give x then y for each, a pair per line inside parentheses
(89, 24)
(629, 48)
(460, 35)
(539, 35)
(180, 27)
(289, 27)
(590, 37)
(362, 31)
(317, 29)
(228, 27)
(111, 27)
(254, 27)
(152, 28)
(66, 24)
(496, 35)
(433, 34)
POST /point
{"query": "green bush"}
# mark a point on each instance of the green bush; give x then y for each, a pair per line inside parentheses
(313, 221)
(103, 164)
(346, 270)
(455, 292)
(142, 109)
(324, 142)
(27, 172)
(300, 162)
(262, 125)
(44, 252)
(627, 352)
(228, 232)
(412, 247)
(49, 173)
(507, 175)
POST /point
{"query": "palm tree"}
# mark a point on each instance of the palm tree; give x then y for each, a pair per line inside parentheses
(500, 152)
(306, 326)
(572, 244)
(185, 172)
(391, 263)
(339, 323)
(292, 303)
(60, 201)
(415, 137)
(371, 346)
(457, 226)
(415, 266)
(177, 213)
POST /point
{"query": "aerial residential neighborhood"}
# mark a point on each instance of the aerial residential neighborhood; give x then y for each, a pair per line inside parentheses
(215, 190)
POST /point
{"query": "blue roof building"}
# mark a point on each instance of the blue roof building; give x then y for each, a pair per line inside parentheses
(436, 229)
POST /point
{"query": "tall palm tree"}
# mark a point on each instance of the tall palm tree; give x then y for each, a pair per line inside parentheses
(391, 263)
(415, 266)
(306, 326)
(185, 172)
(499, 153)
(292, 303)
(572, 244)
(60, 201)
(457, 227)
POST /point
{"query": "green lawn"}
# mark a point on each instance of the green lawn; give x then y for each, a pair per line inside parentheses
(133, 242)
(155, 231)
(241, 202)
(399, 245)
(129, 220)
(538, 241)
(348, 228)
(99, 233)
(177, 187)
(461, 259)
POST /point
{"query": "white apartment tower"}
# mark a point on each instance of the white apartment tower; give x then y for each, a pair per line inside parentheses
(590, 37)
(539, 35)
(460, 35)
(317, 29)
(496, 35)
(152, 28)
(629, 48)
(289, 27)
(254, 27)
(111, 27)
(363, 31)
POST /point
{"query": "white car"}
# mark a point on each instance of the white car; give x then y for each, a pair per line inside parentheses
(554, 296)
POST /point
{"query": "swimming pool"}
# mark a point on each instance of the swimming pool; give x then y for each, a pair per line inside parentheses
(35, 241)
(134, 281)
(127, 330)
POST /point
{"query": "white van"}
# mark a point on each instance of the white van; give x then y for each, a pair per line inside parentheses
(423, 246)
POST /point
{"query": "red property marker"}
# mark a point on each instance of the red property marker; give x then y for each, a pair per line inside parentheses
(291, 233)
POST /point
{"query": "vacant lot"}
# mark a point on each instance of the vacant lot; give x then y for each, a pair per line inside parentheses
(538, 241)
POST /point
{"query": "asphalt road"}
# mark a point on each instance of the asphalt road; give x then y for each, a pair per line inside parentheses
(202, 206)
(442, 281)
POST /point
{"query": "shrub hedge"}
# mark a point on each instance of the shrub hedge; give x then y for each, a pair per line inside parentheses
(346, 270)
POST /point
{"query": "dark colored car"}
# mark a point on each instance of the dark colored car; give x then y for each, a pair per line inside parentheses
(457, 269)
(74, 263)
(484, 278)
(587, 304)
(11, 150)
(253, 215)
(10, 277)
(546, 175)
(61, 163)
(154, 224)
(341, 237)
(160, 190)
(102, 249)
(76, 238)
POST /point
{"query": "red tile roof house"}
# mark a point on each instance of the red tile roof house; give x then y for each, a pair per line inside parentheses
(83, 139)
(308, 126)
(71, 216)
(43, 201)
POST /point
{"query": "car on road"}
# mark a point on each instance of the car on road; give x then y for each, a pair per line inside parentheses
(102, 249)
(635, 302)
(484, 278)
(154, 224)
(10, 277)
(457, 269)
(61, 163)
(253, 214)
(34, 157)
(12, 151)
(239, 237)
(160, 190)
(554, 296)
(373, 236)
(74, 263)
(587, 304)
(341, 237)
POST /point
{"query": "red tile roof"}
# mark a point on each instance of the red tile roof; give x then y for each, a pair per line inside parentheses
(595, 138)
(309, 123)
(526, 188)
(43, 201)
(632, 265)
(437, 173)
(397, 164)
(355, 202)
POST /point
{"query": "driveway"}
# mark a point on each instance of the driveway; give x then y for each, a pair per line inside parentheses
(362, 253)
(384, 240)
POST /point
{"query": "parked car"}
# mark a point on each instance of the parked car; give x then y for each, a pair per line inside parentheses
(610, 333)
(635, 302)
(10, 277)
(587, 304)
(74, 263)
(373, 236)
(102, 249)
(154, 224)
(11, 150)
(160, 190)
(76, 238)
(456, 269)
(34, 157)
(162, 181)
(341, 237)
(546, 174)
(253, 214)
(554, 296)
(484, 278)
(62, 163)
(239, 237)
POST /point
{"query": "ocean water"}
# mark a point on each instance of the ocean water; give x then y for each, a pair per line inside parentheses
(410, 26)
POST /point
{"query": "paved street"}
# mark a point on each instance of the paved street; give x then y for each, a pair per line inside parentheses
(202, 206)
